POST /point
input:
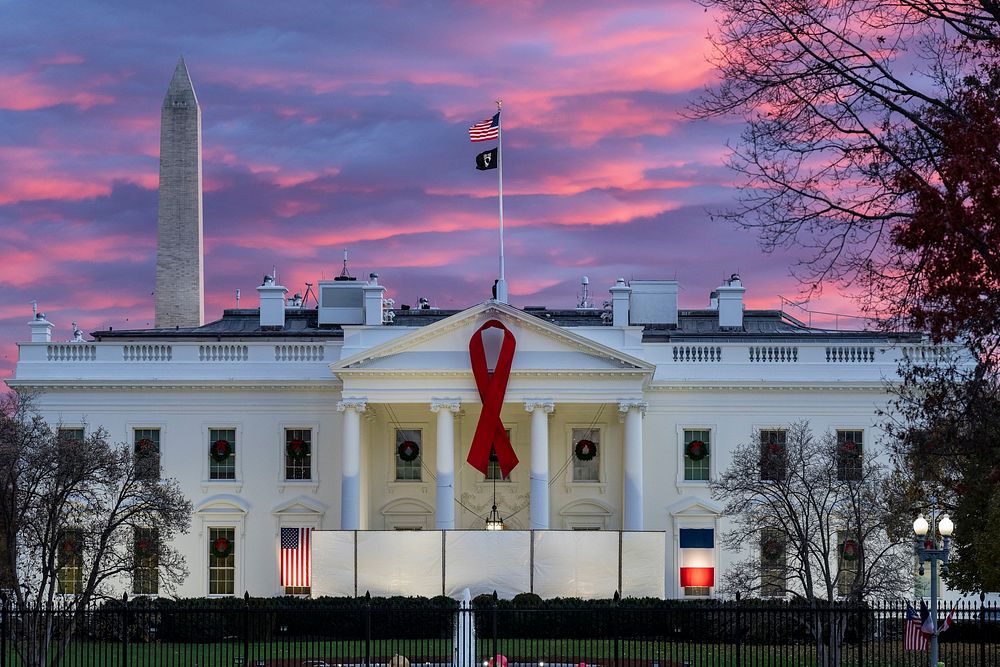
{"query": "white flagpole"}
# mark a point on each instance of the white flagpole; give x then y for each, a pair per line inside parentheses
(502, 282)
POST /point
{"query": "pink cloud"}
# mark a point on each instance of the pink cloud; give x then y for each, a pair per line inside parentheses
(22, 92)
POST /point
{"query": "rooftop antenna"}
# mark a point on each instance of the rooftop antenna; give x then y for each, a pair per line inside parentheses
(585, 302)
(344, 273)
(305, 299)
(274, 274)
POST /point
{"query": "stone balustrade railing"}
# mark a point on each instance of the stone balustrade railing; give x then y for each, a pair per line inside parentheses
(799, 361)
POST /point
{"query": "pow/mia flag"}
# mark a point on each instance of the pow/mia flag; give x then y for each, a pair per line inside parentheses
(487, 160)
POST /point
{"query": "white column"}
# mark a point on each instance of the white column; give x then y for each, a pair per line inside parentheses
(632, 413)
(539, 498)
(350, 472)
(444, 504)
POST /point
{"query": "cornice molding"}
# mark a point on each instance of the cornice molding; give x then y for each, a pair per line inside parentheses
(532, 372)
(773, 386)
(479, 314)
(159, 385)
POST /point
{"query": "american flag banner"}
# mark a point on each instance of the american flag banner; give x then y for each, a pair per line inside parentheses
(296, 565)
(914, 638)
(486, 130)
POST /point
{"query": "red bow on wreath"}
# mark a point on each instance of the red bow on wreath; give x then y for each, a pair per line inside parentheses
(850, 550)
(221, 449)
(490, 432)
(221, 547)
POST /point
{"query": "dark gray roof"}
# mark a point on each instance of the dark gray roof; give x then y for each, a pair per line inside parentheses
(702, 325)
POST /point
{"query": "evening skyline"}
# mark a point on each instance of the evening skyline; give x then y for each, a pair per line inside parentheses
(328, 127)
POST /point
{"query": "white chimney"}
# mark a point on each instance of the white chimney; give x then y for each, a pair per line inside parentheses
(41, 329)
(653, 302)
(373, 301)
(619, 303)
(272, 304)
(731, 304)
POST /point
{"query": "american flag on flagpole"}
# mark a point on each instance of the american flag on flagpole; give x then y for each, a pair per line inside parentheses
(486, 130)
(296, 566)
(914, 638)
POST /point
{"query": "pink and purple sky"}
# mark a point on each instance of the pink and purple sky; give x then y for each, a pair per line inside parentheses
(333, 125)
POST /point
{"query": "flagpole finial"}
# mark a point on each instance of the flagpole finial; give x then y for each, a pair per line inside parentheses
(499, 104)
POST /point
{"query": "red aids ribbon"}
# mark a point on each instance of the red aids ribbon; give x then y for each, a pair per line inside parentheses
(490, 433)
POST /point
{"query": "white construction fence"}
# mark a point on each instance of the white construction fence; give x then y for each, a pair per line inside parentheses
(549, 563)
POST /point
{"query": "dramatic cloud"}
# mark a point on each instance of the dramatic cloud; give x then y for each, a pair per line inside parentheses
(333, 125)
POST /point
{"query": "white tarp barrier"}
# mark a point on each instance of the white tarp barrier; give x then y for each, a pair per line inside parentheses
(405, 562)
(582, 563)
(550, 563)
(485, 561)
(643, 564)
(333, 563)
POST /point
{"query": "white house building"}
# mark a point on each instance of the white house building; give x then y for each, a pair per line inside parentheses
(352, 415)
(340, 417)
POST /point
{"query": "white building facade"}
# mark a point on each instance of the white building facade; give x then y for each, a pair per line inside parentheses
(350, 416)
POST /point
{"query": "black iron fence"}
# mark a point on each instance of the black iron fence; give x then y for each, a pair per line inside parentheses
(642, 633)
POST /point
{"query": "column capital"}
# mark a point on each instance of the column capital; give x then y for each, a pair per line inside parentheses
(453, 404)
(626, 405)
(546, 405)
(358, 405)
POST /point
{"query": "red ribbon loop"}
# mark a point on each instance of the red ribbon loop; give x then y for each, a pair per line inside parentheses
(490, 432)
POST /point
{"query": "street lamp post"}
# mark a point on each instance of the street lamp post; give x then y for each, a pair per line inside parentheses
(927, 549)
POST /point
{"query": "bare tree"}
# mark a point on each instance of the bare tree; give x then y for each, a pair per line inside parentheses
(857, 113)
(815, 512)
(80, 520)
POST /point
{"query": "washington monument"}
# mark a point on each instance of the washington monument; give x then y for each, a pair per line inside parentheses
(180, 273)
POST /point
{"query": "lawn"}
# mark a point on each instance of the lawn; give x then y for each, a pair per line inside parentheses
(299, 653)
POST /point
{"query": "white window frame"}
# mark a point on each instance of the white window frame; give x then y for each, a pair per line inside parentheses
(687, 522)
(207, 483)
(312, 484)
(865, 444)
(423, 484)
(291, 520)
(713, 454)
(72, 427)
(757, 428)
(221, 511)
(603, 433)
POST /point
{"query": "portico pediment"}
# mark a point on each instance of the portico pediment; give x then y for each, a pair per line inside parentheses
(443, 348)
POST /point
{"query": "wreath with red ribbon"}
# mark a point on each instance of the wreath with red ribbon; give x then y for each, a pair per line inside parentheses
(297, 449)
(408, 451)
(771, 549)
(221, 547)
(773, 448)
(221, 450)
(849, 550)
(145, 546)
(585, 450)
(144, 447)
(696, 450)
(70, 545)
(850, 448)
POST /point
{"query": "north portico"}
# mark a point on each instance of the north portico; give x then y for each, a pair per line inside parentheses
(562, 386)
